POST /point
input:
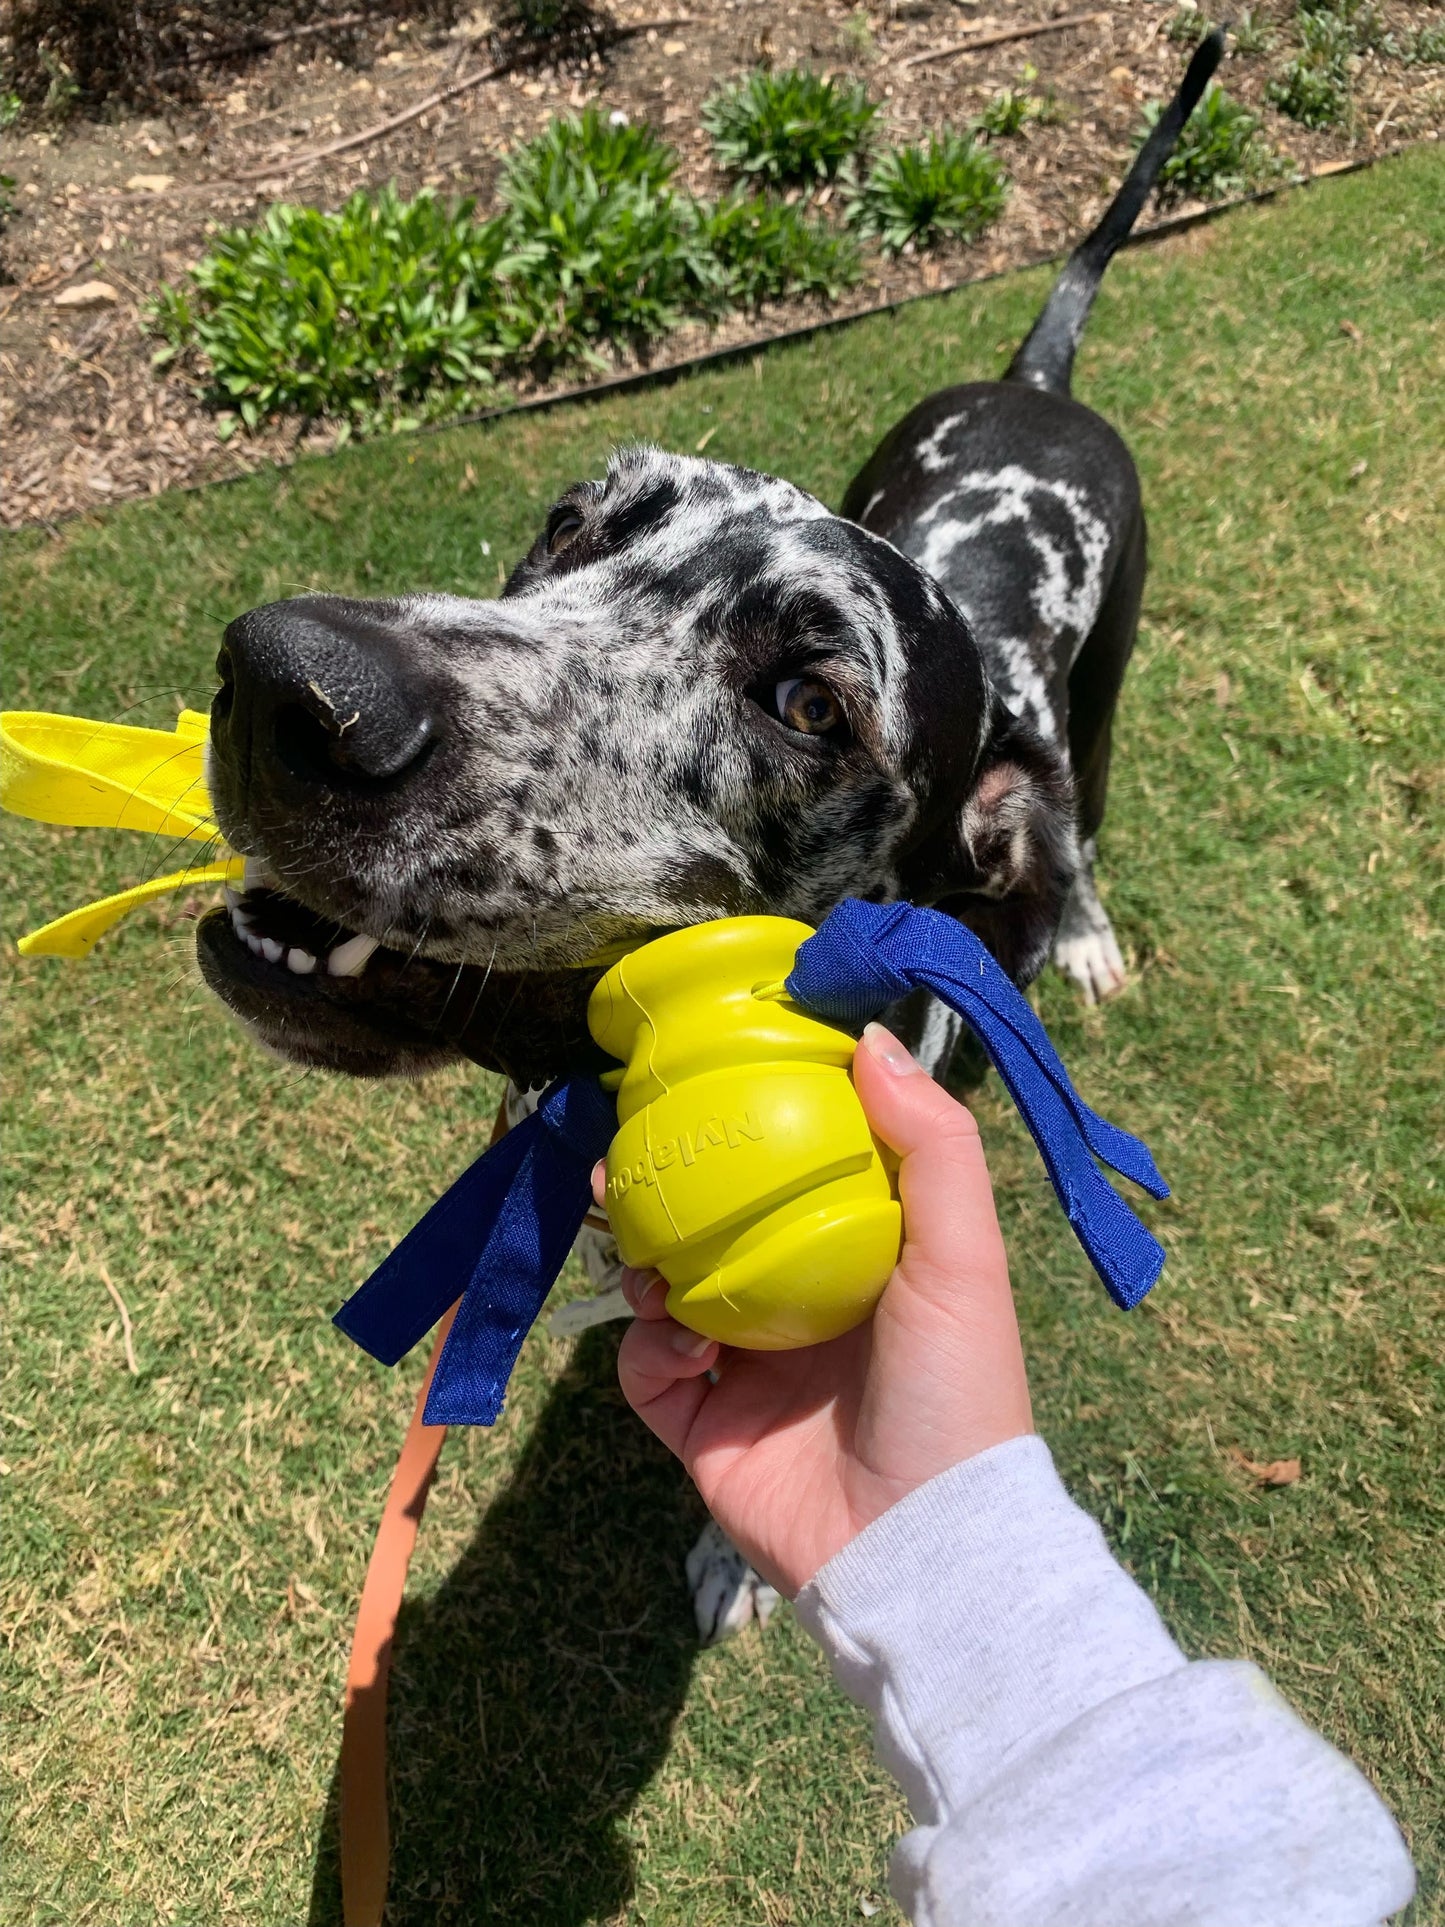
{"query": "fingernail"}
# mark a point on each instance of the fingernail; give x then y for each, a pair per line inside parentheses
(639, 1285)
(690, 1344)
(883, 1045)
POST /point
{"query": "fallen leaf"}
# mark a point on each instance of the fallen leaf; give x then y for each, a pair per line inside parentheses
(149, 183)
(89, 294)
(1275, 1472)
(1349, 328)
(673, 47)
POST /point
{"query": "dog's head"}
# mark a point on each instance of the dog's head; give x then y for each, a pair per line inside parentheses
(700, 695)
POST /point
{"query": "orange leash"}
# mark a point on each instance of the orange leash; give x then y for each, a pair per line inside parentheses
(365, 1832)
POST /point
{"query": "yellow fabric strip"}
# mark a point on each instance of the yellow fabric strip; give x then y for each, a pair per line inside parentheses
(107, 776)
(111, 776)
(75, 935)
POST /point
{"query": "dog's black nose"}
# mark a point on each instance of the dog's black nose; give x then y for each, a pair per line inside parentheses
(321, 691)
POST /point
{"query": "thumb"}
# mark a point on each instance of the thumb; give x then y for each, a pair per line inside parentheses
(946, 1376)
(951, 1232)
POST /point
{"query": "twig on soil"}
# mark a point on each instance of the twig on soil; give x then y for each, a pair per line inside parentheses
(1000, 39)
(261, 39)
(130, 1360)
(299, 162)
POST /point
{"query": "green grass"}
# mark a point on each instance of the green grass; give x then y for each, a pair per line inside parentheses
(185, 1546)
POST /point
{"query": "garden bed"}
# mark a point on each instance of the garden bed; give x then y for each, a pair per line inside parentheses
(130, 203)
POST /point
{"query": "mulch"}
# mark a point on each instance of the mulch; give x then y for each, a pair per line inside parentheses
(128, 203)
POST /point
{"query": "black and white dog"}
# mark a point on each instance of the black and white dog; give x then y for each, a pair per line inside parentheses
(700, 695)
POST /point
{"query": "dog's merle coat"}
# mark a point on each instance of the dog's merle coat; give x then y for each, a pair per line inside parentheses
(700, 694)
(494, 789)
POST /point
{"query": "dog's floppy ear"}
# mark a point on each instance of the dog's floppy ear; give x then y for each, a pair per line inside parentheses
(1001, 849)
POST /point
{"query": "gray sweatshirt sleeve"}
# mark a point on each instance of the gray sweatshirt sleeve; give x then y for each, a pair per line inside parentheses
(1065, 1765)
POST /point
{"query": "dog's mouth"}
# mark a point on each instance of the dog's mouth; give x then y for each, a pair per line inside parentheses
(332, 998)
(281, 931)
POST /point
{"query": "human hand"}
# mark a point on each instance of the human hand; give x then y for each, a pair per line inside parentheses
(795, 1452)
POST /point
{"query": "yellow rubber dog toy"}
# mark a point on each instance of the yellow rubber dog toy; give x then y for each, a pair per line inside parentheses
(111, 776)
(743, 1167)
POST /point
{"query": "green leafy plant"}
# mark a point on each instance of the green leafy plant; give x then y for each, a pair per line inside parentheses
(610, 251)
(389, 310)
(1188, 25)
(62, 90)
(765, 249)
(571, 23)
(1218, 153)
(11, 108)
(792, 126)
(1335, 29)
(360, 312)
(8, 203)
(856, 36)
(1424, 47)
(605, 264)
(1315, 96)
(1251, 35)
(1009, 112)
(951, 187)
(1314, 87)
(614, 154)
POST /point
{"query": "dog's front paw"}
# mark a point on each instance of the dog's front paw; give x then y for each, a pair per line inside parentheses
(1091, 959)
(726, 1593)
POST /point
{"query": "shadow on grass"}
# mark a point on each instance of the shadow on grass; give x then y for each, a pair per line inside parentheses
(534, 1695)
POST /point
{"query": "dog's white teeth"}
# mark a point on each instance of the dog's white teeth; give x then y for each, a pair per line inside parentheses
(301, 961)
(271, 950)
(349, 959)
(252, 942)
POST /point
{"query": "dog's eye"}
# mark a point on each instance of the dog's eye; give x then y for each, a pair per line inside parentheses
(807, 705)
(563, 529)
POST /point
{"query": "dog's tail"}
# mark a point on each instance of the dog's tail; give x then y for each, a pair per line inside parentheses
(1046, 359)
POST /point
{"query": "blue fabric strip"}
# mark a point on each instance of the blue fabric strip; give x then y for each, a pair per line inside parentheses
(527, 1246)
(496, 1240)
(866, 955)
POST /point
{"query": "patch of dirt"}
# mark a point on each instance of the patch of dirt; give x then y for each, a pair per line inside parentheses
(129, 203)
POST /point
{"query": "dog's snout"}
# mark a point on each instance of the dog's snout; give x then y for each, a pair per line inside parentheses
(321, 692)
